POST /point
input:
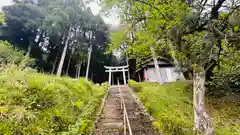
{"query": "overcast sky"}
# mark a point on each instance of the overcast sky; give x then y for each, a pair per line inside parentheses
(113, 20)
(4, 2)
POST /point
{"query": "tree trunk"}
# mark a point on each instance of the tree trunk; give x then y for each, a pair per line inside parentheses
(173, 54)
(156, 65)
(209, 69)
(55, 63)
(128, 68)
(139, 78)
(190, 75)
(69, 62)
(76, 73)
(79, 69)
(88, 63)
(29, 48)
(202, 121)
(60, 66)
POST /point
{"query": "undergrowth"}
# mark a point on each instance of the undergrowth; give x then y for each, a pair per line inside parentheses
(34, 103)
(171, 106)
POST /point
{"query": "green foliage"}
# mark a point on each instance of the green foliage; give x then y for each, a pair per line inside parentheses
(134, 85)
(197, 50)
(34, 103)
(28, 16)
(226, 78)
(40, 28)
(10, 55)
(189, 36)
(149, 23)
(117, 39)
(2, 21)
(137, 87)
(171, 106)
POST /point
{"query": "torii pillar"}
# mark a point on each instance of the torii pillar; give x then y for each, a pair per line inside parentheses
(111, 70)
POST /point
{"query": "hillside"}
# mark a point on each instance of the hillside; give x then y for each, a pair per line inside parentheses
(171, 106)
(35, 103)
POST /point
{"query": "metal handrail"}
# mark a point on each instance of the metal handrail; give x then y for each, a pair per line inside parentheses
(125, 115)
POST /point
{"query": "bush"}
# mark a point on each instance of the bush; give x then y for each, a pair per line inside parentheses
(226, 78)
(224, 83)
(171, 106)
(134, 85)
(9, 55)
(34, 103)
(138, 86)
(2, 22)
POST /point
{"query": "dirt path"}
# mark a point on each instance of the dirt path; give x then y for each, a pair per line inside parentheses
(111, 119)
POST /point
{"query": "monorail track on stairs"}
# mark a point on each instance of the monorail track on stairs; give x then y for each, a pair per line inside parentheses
(123, 114)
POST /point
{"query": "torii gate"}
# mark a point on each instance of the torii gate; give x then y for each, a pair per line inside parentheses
(122, 69)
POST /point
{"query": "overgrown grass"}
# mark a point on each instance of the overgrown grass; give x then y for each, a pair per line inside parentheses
(34, 103)
(171, 105)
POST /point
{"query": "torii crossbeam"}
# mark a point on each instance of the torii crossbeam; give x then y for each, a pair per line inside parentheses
(111, 70)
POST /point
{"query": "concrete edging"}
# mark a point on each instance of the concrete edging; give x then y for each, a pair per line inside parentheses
(141, 105)
(99, 112)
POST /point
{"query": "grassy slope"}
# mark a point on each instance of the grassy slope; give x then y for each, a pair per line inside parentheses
(171, 106)
(34, 103)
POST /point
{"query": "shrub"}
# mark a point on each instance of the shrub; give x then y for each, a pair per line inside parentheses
(34, 103)
(9, 55)
(226, 78)
(2, 22)
(138, 86)
(135, 86)
(224, 83)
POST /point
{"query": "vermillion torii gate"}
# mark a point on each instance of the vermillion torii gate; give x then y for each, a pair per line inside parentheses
(111, 70)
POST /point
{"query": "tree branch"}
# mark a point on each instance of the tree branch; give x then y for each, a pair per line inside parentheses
(143, 2)
(214, 11)
(199, 29)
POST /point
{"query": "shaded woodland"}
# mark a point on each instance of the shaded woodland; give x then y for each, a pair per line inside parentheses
(59, 35)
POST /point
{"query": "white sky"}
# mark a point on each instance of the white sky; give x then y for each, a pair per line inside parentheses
(112, 20)
(4, 2)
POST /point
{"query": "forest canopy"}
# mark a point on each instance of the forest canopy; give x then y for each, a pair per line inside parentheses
(58, 35)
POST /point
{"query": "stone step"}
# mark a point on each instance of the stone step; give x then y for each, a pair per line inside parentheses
(109, 125)
(143, 131)
(111, 119)
(131, 118)
(107, 132)
(141, 124)
(120, 119)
